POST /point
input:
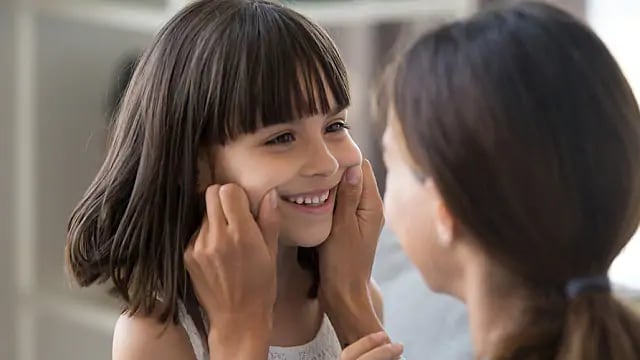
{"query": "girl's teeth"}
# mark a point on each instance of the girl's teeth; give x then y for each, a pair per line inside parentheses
(310, 200)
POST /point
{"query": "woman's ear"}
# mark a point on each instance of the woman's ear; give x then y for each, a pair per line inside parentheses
(443, 220)
(204, 170)
(444, 224)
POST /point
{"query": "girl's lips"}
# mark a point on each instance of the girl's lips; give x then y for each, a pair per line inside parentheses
(318, 208)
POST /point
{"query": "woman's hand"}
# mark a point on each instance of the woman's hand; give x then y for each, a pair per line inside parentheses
(232, 264)
(373, 347)
(346, 258)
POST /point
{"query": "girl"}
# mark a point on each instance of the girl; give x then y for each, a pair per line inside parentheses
(515, 139)
(230, 91)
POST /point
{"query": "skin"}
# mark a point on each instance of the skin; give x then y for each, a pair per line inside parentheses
(448, 258)
(306, 157)
(303, 158)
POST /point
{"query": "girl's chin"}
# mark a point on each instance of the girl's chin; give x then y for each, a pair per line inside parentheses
(308, 236)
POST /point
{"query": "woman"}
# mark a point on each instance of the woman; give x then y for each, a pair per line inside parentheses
(514, 138)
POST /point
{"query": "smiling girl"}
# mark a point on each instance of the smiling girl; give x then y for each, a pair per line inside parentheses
(230, 91)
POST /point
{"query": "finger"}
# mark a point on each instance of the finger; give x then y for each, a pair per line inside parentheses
(215, 214)
(196, 244)
(188, 254)
(348, 195)
(384, 352)
(201, 238)
(269, 221)
(364, 345)
(370, 199)
(235, 205)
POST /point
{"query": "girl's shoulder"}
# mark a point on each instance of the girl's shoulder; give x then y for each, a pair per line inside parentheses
(144, 337)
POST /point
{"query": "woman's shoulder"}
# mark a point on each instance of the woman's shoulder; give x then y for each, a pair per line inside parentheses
(144, 337)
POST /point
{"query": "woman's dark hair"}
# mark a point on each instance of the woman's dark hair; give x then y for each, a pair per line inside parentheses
(218, 69)
(532, 135)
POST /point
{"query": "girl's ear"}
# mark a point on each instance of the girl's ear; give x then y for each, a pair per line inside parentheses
(204, 169)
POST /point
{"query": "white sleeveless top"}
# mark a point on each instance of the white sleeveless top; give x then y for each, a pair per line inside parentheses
(325, 345)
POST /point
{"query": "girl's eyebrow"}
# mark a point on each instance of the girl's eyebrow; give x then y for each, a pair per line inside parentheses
(335, 111)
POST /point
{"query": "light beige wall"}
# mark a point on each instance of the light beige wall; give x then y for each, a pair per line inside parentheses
(7, 111)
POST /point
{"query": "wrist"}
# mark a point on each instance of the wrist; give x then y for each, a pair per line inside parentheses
(351, 312)
(240, 336)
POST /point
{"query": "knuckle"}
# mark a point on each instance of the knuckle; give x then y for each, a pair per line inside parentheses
(215, 249)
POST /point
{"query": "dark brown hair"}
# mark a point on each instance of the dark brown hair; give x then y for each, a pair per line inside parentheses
(532, 135)
(216, 70)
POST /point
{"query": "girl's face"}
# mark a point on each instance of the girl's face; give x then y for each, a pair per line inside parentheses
(303, 161)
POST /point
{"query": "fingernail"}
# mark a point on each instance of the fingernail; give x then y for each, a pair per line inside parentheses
(273, 199)
(353, 175)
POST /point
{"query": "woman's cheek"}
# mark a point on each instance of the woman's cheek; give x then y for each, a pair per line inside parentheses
(401, 191)
(391, 200)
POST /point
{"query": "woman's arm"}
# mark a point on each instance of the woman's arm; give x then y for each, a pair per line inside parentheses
(346, 258)
(352, 314)
(240, 337)
(232, 263)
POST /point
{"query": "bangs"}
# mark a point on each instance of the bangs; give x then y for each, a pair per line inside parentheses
(274, 66)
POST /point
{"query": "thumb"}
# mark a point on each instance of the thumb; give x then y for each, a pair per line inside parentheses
(349, 192)
(269, 220)
(370, 200)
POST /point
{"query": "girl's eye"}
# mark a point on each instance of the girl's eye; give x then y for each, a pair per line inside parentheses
(282, 139)
(338, 126)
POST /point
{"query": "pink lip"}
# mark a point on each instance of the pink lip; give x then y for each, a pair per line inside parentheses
(325, 208)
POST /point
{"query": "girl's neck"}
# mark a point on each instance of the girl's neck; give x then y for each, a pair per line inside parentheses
(296, 317)
(293, 280)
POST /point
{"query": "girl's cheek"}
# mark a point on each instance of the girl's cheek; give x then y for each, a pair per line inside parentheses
(258, 180)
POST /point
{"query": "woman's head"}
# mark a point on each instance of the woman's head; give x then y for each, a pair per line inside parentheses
(519, 138)
(243, 91)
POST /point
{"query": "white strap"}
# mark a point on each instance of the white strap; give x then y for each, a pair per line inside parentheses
(195, 339)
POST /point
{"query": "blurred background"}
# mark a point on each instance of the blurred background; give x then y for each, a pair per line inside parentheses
(62, 63)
